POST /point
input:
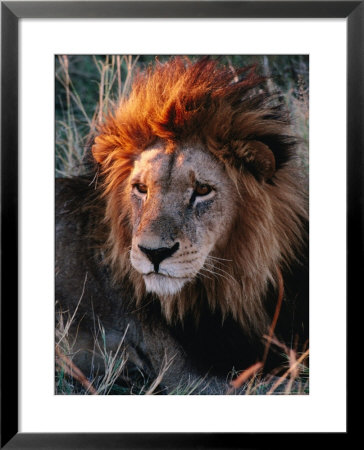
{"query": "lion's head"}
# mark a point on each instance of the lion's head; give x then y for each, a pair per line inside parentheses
(203, 203)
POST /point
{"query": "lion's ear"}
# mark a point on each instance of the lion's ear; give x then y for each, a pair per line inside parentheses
(259, 159)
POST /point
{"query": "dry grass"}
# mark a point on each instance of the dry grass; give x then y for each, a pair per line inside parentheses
(112, 379)
(67, 372)
(293, 381)
(77, 127)
(69, 378)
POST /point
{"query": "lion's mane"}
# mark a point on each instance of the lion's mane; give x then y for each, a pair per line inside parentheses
(232, 115)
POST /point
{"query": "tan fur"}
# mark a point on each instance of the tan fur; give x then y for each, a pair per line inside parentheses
(242, 138)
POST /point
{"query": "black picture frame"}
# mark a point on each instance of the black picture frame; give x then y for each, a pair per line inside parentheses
(11, 12)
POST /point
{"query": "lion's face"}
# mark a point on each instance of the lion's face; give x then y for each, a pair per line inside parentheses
(182, 205)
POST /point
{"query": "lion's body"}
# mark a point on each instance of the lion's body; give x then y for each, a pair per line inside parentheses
(198, 213)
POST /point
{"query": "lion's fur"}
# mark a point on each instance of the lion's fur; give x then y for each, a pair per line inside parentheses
(231, 115)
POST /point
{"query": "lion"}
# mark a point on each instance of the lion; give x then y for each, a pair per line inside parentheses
(196, 211)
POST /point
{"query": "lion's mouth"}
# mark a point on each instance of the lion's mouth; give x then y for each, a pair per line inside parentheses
(164, 284)
(164, 275)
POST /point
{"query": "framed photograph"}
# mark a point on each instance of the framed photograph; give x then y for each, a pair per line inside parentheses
(152, 116)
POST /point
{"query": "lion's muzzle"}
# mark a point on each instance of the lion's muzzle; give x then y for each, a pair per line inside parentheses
(157, 255)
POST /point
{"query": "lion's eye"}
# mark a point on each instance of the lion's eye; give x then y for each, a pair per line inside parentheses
(141, 188)
(202, 189)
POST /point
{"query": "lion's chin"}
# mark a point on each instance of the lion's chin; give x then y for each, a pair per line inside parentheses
(163, 285)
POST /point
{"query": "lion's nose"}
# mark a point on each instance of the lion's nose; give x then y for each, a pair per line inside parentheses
(157, 255)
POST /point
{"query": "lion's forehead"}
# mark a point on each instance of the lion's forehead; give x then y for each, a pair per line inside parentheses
(176, 170)
(153, 162)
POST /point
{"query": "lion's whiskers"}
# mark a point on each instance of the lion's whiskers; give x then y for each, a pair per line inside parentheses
(212, 266)
(219, 259)
(221, 263)
(217, 274)
(203, 275)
